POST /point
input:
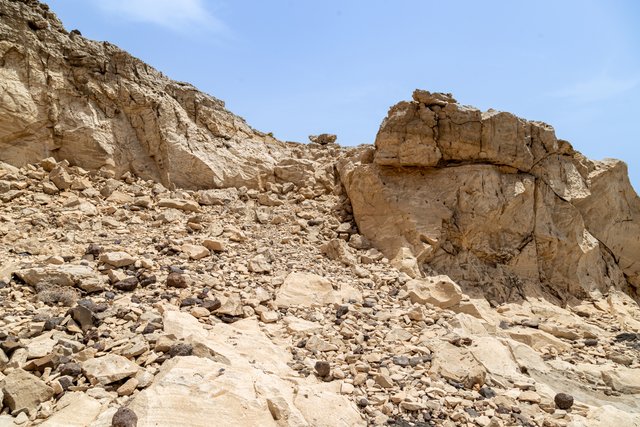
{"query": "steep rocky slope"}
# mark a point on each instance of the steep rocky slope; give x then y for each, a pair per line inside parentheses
(162, 263)
(65, 96)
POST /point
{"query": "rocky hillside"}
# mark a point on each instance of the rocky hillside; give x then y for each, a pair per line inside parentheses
(68, 97)
(162, 263)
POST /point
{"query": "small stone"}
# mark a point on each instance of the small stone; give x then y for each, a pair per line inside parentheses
(128, 387)
(83, 316)
(176, 280)
(124, 417)
(341, 311)
(195, 251)
(127, 285)
(108, 369)
(24, 392)
(384, 381)
(269, 316)
(199, 312)
(346, 388)
(400, 360)
(563, 401)
(214, 245)
(180, 349)
(529, 396)
(117, 259)
(487, 392)
(212, 304)
(411, 406)
(71, 369)
(323, 368)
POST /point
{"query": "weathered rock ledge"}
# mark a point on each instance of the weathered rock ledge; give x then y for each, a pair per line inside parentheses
(494, 201)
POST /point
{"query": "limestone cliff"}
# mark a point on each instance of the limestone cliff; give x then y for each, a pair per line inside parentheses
(65, 96)
(494, 201)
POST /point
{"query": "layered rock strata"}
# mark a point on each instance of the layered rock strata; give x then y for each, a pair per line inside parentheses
(494, 201)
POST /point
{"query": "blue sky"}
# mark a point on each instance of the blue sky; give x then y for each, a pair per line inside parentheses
(296, 67)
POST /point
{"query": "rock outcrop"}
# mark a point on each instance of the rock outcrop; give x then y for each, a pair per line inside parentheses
(494, 201)
(67, 97)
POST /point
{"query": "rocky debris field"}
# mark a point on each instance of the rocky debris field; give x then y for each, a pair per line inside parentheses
(125, 303)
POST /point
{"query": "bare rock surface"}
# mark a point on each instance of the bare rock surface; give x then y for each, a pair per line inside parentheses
(470, 269)
(494, 201)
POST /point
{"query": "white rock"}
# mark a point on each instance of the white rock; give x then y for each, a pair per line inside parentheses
(109, 368)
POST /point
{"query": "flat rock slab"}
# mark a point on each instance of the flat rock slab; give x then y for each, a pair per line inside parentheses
(306, 289)
(63, 275)
(108, 369)
(82, 411)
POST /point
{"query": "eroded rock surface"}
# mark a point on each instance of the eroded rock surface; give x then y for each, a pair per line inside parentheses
(129, 298)
(494, 201)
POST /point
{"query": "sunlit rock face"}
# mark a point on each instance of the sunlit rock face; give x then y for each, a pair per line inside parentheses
(494, 201)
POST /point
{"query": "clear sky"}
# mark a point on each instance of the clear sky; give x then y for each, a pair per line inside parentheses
(300, 67)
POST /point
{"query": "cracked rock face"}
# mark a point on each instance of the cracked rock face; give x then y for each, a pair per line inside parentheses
(494, 201)
(68, 97)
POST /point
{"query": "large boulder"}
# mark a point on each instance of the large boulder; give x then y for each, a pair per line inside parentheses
(493, 201)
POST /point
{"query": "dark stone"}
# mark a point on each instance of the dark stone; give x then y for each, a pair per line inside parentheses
(150, 328)
(563, 401)
(363, 402)
(175, 269)
(127, 285)
(591, 342)
(52, 323)
(504, 324)
(124, 417)
(369, 303)
(212, 304)
(109, 295)
(229, 319)
(10, 344)
(342, 310)
(83, 316)
(147, 280)
(93, 249)
(41, 363)
(323, 368)
(176, 280)
(188, 302)
(401, 360)
(65, 382)
(472, 412)
(626, 336)
(75, 32)
(180, 349)
(71, 369)
(487, 392)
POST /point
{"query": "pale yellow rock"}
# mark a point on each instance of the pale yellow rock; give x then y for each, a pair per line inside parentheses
(214, 245)
(440, 291)
(109, 368)
(24, 391)
(305, 289)
(195, 251)
(117, 259)
(492, 200)
(81, 411)
(624, 380)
